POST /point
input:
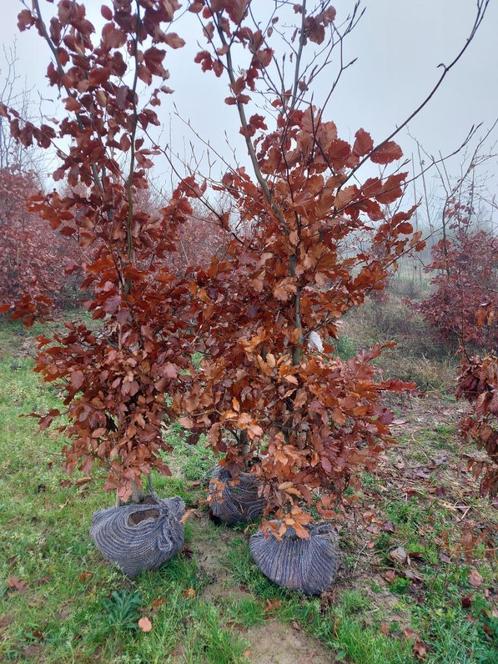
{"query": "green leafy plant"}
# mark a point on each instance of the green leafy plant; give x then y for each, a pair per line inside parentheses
(122, 610)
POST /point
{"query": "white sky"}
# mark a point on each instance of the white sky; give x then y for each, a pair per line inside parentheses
(398, 43)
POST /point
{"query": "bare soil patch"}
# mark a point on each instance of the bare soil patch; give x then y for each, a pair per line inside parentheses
(275, 643)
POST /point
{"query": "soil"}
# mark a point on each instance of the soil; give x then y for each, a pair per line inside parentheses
(276, 643)
(210, 553)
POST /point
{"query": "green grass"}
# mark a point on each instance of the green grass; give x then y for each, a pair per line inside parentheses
(75, 607)
(71, 606)
(196, 461)
(342, 627)
(345, 347)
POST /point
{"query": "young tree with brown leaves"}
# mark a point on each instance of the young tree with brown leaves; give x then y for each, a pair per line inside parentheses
(114, 380)
(302, 421)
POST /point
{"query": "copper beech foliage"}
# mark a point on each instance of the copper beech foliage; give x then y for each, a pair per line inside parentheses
(462, 307)
(115, 379)
(33, 260)
(478, 384)
(304, 421)
(464, 279)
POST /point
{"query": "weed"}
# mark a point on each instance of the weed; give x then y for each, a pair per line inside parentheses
(345, 347)
(121, 610)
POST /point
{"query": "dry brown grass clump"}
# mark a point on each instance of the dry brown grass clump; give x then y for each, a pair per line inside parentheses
(419, 356)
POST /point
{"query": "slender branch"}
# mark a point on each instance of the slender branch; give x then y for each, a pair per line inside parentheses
(482, 6)
(129, 182)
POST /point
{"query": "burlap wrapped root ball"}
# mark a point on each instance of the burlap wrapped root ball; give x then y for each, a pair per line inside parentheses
(308, 565)
(139, 537)
(232, 500)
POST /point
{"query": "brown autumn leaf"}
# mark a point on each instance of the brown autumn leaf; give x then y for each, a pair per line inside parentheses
(189, 593)
(77, 379)
(386, 153)
(420, 649)
(475, 579)
(83, 480)
(145, 624)
(186, 516)
(413, 576)
(272, 605)
(384, 628)
(399, 555)
(157, 603)
(363, 143)
(388, 527)
(42, 580)
(173, 40)
(5, 621)
(15, 583)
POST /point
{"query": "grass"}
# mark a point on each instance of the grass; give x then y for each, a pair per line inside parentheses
(73, 607)
(60, 602)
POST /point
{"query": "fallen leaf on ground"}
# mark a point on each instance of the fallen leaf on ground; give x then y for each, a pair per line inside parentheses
(14, 583)
(420, 650)
(272, 604)
(42, 581)
(5, 621)
(384, 628)
(189, 593)
(410, 633)
(398, 555)
(145, 624)
(475, 579)
(187, 516)
(83, 480)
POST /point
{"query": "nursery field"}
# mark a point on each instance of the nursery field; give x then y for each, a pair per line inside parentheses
(416, 583)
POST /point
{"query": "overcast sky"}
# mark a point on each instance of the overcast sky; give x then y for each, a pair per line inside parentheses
(398, 43)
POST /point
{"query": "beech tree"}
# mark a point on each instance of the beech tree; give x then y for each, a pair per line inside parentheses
(478, 384)
(33, 259)
(114, 380)
(302, 421)
(463, 269)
